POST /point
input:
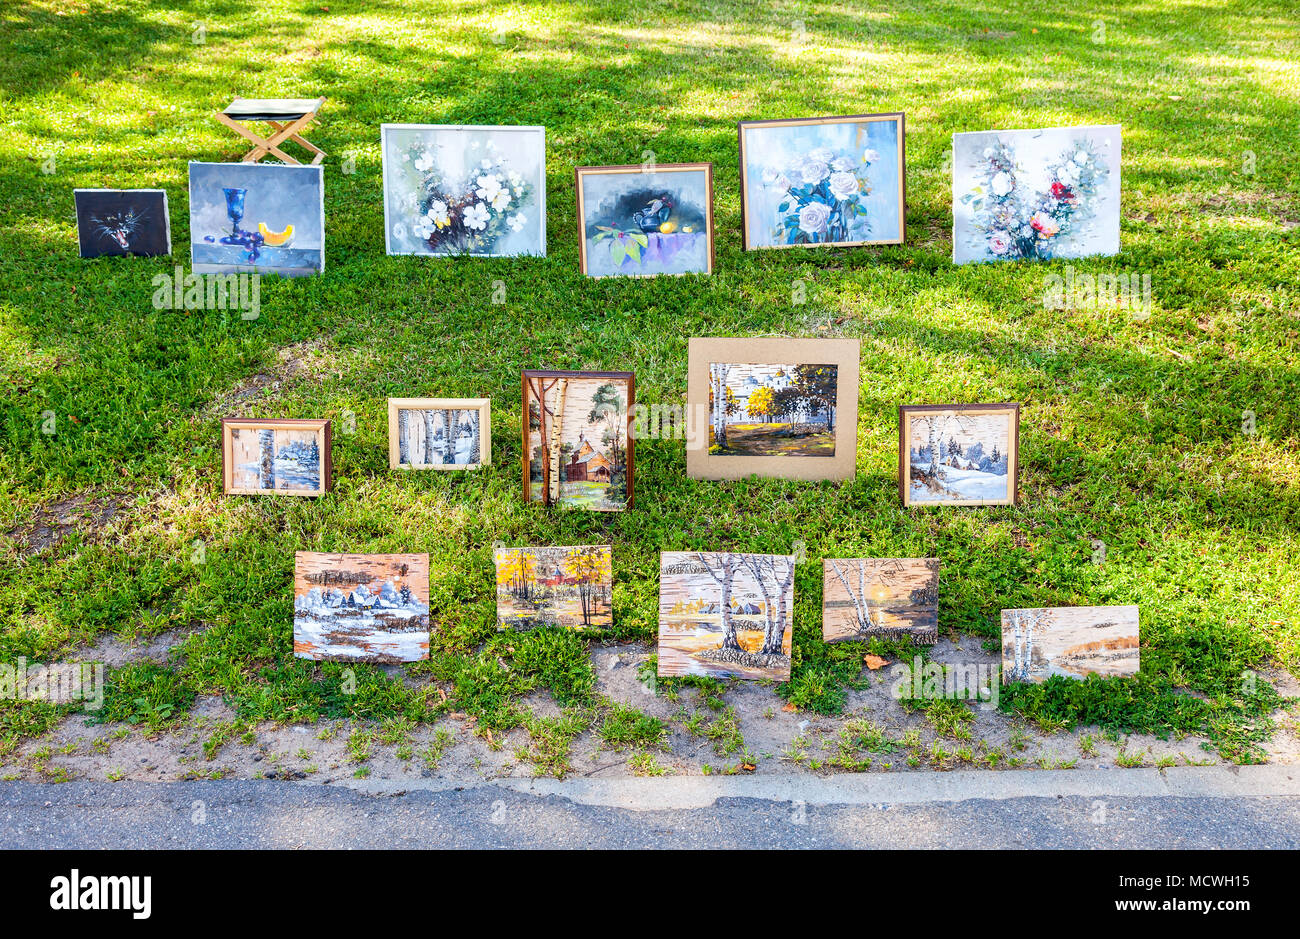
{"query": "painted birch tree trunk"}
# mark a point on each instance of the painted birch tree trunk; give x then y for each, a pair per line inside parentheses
(553, 443)
(404, 436)
(267, 440)
(427, 456)
(476, 431)
(719, 375)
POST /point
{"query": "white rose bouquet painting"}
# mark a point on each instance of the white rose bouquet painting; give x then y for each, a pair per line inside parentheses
(463, 190)
(1035, 194)
(823, 181)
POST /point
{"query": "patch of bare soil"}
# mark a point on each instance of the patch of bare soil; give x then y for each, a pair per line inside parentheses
(300, 361)
(51, 523)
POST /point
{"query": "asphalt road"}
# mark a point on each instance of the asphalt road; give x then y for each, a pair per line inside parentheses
(1254, 807)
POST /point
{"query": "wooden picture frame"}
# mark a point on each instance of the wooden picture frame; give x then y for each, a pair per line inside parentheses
(970, 421)
(234, 473)
(548, 488)
(419, 435)
(805, 455)
(668, 232)
(894, 215)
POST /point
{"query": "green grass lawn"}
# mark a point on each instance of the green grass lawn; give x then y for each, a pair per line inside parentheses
(1132, 432)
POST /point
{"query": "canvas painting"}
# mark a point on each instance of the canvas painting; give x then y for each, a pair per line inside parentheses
(725, 615)
(262, 218)
(959, 454)
(284, 457)
(577, 439)
(464, 190)
(439, 433)
(122, 222)
(775, 407)
(826, 181)
(565, 586)
(640, 221)
(889, 598)
(361, 607)
(1035, 194)
(1072, 641)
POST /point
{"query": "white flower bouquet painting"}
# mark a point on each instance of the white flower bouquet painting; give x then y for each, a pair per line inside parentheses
(1035, 194)
(464, 190)
(823, 181)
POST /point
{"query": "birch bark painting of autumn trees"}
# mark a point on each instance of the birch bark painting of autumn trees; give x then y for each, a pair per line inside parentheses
(725, 615)
(577, 448)
(554, 586)
(892, 598)
(1072, 641)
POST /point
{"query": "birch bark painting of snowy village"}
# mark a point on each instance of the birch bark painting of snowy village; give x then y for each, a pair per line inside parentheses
(578, 451)
(958, 454)
(725, 615)
(439, 433)
(892, 598)
(555, 586)
(287, 456)
(1073, 641)
(361, 607)
(772, 410)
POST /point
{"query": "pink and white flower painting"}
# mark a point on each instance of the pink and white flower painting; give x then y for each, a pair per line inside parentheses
(1035, 194)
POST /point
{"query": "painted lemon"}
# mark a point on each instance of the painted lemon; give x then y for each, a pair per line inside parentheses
(667, 228)
(273, 238)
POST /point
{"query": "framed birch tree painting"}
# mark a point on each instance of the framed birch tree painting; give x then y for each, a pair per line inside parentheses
(555, 586)
(892, 598)
(578, 442)
(276, 457)
(823, 181)
(1071, 641)
(439, 433)
(958, 454)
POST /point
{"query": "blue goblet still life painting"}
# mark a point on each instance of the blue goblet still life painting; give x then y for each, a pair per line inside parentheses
(640, 221)
(822, 181)
(464, 190)
(257, 218)
(1035, 194)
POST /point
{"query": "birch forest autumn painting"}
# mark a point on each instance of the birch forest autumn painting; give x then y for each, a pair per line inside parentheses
(1073, 641)
(893, 598)
(554, 586)
(578, 451)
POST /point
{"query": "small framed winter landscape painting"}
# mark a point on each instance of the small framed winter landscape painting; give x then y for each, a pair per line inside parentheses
(454, 189)
(958, 454)
(893, 598)
(577, 439)
(780, 407)
(823, 181)
(1073, 641)
(257, 218)
(122, 222)
(361, 607)
(639, 221)
(1030, 194)
(725, 615)
(275, 457)
(565, 586)
(439, 433)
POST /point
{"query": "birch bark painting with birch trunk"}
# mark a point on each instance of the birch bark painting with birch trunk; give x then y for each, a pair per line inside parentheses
(437, 433)
(578, 452)
(1072, 641)
(892, 598)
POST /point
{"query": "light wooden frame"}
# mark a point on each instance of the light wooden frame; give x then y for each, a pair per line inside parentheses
(904, 447)
(842, 353)
(634, 169)
(321, 426)
(482, 405)
(899, 116)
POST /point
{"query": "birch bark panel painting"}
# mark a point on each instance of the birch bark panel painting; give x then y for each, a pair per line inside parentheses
(578, 452)
(1073, 641)
(725, 615)
(555, 586)
(361, 607)
(892, 598)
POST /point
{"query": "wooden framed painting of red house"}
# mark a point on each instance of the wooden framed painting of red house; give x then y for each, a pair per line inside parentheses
(577, 439)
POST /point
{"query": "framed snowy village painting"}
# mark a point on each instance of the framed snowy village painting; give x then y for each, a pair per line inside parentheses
(275, 457)
(1070, 641)
(361, 607)
(453, 189)
(1035, 194)
(640, 221)
(439, 433)
(823, 181)
(958, 454)
(779, 407)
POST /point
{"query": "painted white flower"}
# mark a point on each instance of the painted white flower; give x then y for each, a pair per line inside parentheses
(1068, 174)
(425, 162)
(814, 171)
(1002, 183)
(999, 241)
(515, 179)
(438, 213)
(1081, 157)
(822, 155)
(988, 152)
(844, 185)
(870, 156)
(842, 164)
(813, 217)
(501, 200)
(476, 216)
(486, 164)
(517, 222)
(488, 187)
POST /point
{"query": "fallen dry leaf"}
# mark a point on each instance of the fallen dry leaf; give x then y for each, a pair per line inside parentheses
(789, 708)
(874, 662)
